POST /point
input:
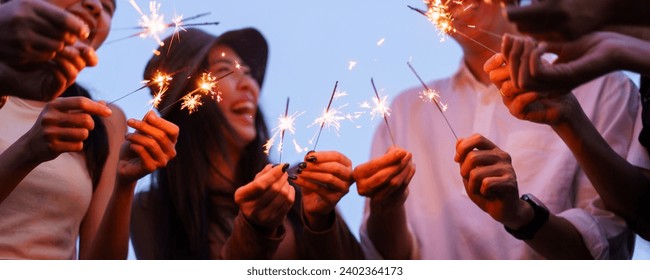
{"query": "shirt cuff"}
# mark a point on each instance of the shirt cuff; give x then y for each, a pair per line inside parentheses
(592, 235)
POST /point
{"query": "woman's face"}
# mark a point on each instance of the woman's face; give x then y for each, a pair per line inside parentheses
(97, 14)
(239, 92)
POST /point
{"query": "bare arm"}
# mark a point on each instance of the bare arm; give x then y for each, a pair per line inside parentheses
(384, 181)
(106, 227)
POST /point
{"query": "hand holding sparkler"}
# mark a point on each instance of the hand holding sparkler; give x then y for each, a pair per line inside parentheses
(525, 103)
(47, 80)
(266, 200)
(434, 97)
(150, 147)
(385, 179)
(34, 31)
(324, 178)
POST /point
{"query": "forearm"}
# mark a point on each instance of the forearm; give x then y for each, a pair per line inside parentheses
(618, 183)
(388, 231)
(247, 243)
(15, 163)
(112, 238)
(333, 243)
(635, 55)
(559, 239)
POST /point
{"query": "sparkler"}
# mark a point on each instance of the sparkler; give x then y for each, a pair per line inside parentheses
(285, 123)
(192, 101)
(161, 79)
(438, 13)
(329, 117)
(432, 96)
(381, 108)
(153, 24)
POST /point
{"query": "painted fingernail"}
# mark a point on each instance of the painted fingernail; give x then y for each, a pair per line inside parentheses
(285, 167)
(293, 177)
(312, 151)
(302, 165)
(311, 159)
(299, 170)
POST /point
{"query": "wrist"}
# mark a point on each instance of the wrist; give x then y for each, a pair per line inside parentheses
(317, 221)
(524, 214)
(540, 217)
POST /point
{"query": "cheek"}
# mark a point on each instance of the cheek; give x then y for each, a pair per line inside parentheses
(103, 29)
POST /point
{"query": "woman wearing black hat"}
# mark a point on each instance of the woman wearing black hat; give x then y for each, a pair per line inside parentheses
(220, 198)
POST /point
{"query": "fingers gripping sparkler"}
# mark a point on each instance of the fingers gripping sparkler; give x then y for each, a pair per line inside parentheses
(382, 108)
(432, 96)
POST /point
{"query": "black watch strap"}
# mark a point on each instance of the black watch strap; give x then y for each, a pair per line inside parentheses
(540, 217)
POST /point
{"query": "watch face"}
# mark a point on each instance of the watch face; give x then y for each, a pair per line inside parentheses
(534, 199)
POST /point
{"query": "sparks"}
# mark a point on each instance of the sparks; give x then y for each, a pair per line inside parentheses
(434, 97)
(207, 85)
(430, 95)
(381, 109)
(286, 122)
(192, 102)
(330, 117)
(381, 42)
(352, 64)
(153, 24)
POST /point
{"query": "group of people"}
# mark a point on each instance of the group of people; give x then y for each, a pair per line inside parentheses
(68, 167)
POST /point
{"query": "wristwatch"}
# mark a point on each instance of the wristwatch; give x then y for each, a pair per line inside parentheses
(540, 217)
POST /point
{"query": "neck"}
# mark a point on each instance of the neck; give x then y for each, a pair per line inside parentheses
(474, 61)
(226, 166)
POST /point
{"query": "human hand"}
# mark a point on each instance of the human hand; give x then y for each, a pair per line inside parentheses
(561, 19)
(150, 147)
(385, 179)
(62, 127)
(266, 200)
(47, 80)
(490, 180)
(578, 62)
(324, 178)
(33, 31)
(546, 107)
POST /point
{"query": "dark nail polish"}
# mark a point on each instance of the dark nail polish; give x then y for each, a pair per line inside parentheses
(293, 177)
(311, 159)
(302, 165)
(285, 167)
(312, 151)
(299, 170)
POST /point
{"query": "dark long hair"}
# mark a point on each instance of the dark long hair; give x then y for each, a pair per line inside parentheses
(96, 145)
(179, 195)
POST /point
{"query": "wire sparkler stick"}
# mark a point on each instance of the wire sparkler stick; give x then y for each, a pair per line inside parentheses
(160, 79)
(381, 108)
(434, 100)
(443, 22)
(193, 101)
(286, 115)
(322, 124)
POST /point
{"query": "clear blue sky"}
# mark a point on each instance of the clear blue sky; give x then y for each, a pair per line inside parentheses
(311, 44)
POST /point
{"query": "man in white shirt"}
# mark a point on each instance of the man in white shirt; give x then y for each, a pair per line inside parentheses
(438, 220)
